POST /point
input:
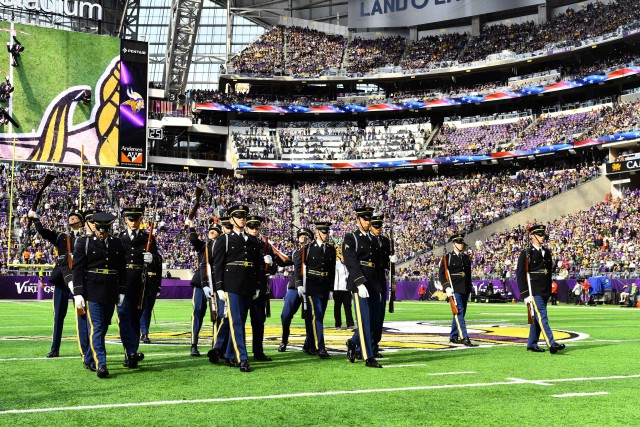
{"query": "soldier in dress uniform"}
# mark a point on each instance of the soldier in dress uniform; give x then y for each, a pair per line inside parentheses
(459, 287)
(99, 282)
(129, 313)
(320, 268)
(236, 269)
(201, 282)
(152, 291)
(61, 279)
(89, 224)
(221, 336)
(362, 257)
(273, 259)
(293, 297)
(386, 257)
(535, 264)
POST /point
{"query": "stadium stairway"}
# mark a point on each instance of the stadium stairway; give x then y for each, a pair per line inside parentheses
(579, 198)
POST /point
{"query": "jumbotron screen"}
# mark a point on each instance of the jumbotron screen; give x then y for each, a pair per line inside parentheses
(67, 94)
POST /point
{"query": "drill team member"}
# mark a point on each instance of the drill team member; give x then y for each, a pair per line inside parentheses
(386, 257)
(134, 241)
(236, 266)
(293, 297)
(362, 257)
(320, 266)
(202, 290)
(221, 339)
(534, 266)
(61, 278)
(152, 291)
(99, 283)
(458, 266)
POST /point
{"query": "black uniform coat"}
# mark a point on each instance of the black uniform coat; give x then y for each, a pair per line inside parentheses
(90, 253)
(358, 248)
(236, 264)
(61, 274)
(199, 278)
(539, 271)
(318, 260)
(133, 256)
(296, 258)
(459, 272)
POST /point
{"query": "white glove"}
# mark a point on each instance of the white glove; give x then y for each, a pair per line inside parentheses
(257, 294)
(120, 299)
(70, 286)
(528, 300)
(147, 257)
(159, 292)
(300, 291)
(79, 301)
(449, 291)
(362, 291)
(268, 259)
(208, 292)
(393, 259)
(222, 295)
(330, 295)
(32, 214)
(190, 223)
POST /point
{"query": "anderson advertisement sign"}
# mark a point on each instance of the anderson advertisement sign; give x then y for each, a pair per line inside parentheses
(408, 13)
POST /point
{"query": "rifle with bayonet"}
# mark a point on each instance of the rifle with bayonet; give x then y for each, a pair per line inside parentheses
(48, 179)
(392, 271)
(530, 316)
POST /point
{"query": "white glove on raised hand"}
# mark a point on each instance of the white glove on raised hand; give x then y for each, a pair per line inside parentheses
(120, 300)
(449, 291)
(257, 294)
(393, 259)
(528, 300)
(32, 214)
(208, 292)
(268, 259)
(222, 295)
(70, 286)
(147, 257)
(362, 291)
(78, 301)
(300, 291)
(189, 223)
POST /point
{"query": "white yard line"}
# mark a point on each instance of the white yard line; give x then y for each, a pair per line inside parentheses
(597, 393)
(314, 394)
(115, 356)
(407, 365)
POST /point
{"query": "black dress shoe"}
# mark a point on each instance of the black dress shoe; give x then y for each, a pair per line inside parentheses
(262, 357)
(358, 355)
(244, 366)
(372, 363)
(102, 372)
(130, 362)
(467, 343)
(282, 347)
(53, 354)
(312, 352)
(231, 363)
(455, 340)
(213, 355)
(145, 339)
(536, 349)
(194, 351)
(377, 355)
(351, 351)
(89, 366)
(138, 356)
(555, 347)
(323, 354)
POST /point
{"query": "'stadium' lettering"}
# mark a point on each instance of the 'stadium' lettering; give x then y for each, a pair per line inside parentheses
(80, 9)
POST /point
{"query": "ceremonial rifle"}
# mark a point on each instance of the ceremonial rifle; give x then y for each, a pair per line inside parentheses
(145, 266)
(392, 271)
(447, 276)
(304, 278)
(48, 179)
(213, 301)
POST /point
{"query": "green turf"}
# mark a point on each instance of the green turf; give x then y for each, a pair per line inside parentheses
(53, 61)
(607, 347)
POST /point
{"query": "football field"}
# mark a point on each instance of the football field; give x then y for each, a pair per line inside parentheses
(425, 381)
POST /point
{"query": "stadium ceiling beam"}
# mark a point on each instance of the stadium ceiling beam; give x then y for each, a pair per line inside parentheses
(130, 20)
(319, 3)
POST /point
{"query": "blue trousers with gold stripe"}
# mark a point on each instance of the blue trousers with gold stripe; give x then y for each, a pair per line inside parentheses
(258, 317)
(292, 303)
(461, 303)
(83, 332)
(129, 324)
(221, 340)
(147, 309)
(314, 322)
(199, 302)
(362, 337)
(237, 314)
(378, 306)
(99, 316)
(61, 296)
(540, 324)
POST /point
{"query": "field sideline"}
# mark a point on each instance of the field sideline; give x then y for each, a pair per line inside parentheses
(425, 380)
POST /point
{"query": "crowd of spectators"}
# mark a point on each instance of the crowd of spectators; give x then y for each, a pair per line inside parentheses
(366, 55)
(310, 52)
(483, 139)
(263, 56)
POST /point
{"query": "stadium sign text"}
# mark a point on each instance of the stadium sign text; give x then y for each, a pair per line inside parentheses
(77, 8)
